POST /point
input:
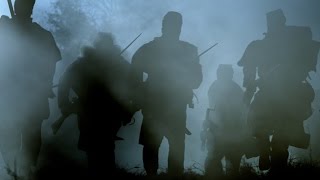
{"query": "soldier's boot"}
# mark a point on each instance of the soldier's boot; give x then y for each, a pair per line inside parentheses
(279, 159)
(264, 162)
(150, 160)
(263, 144)
(176, 155)
(213, 168)
(235, 166)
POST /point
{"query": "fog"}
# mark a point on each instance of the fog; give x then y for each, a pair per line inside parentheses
(232, 24)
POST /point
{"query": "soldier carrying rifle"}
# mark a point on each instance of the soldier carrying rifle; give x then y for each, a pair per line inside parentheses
(100, 80)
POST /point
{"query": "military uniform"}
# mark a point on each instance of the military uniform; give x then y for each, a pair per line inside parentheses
(100, 80)
(173, 71)
(28, 56)
(225, 123)
(283, 60)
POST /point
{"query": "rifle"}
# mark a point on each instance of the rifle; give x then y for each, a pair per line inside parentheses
(58, 123)
(129, 44)
(191, 105)
(11, 8)
(205, 51)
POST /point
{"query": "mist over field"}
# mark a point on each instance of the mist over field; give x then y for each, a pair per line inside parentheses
(231, 24)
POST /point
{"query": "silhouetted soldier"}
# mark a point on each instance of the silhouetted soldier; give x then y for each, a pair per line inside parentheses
(28, 57)
(224, 127)
(282, 61)
(173, 71)
(100, 81)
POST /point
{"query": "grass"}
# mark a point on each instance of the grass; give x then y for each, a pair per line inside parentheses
(296, 170)
(60, 167)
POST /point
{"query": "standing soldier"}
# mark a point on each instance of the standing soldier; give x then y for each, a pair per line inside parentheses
(173, 71)
(224, 127)
(100, 80)
(28, 58)
(282, 61)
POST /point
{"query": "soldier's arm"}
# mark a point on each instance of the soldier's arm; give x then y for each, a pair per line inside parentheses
(249, 64)
(212, 95)
(138, 67)
(65, 85)
(4, 20)
(138, 63)
(50, 55)
(195, 71)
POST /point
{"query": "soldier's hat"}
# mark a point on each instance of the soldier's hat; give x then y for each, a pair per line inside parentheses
(225, 69)
(104, 38)
(24, 3)
(172, 17)
(275, 18)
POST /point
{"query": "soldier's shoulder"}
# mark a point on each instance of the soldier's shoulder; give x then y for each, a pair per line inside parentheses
(77, 65)
(150, 44)
(41, 30)
(255, 45)
(188, 45)
(146, 48)
(4, 19)
(299, 31)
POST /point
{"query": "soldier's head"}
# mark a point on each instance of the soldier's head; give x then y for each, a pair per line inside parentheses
(225, 72)
(275, 20)
(171, 25)
(24, 8)
(103, 40)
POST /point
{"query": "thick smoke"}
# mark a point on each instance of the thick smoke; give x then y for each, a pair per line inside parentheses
(232, 24)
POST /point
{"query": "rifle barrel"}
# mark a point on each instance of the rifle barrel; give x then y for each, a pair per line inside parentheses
(207, 50)
(130, 44)
(11, 8)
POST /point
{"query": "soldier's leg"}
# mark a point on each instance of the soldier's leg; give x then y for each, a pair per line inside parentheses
(150, 158)
(151, 138)
(176, 152)
(101, 159)
(214, 158)
(10, 142)
(176, 139)
(234, 156)
(31, 142)
(279, 153)
(31, 145)
(263, 145)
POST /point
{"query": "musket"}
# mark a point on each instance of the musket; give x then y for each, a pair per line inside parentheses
(11, 8)
(130, 44)
(58, 123)
(205, 51)
(191, 105)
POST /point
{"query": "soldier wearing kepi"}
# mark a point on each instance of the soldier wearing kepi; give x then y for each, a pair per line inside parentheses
(99, 79)
(173, 71)
(28, 56)
(224, 128)
(282, 61)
